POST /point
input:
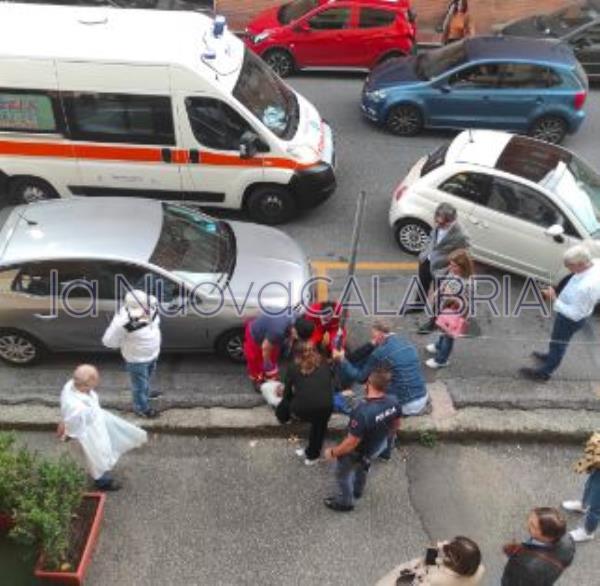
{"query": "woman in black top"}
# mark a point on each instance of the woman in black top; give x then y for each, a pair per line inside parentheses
(309, 386)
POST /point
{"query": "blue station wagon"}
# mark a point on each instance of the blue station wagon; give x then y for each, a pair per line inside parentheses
(530, 86)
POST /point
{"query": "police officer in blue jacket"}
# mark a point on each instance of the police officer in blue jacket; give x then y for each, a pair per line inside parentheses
(372, 423)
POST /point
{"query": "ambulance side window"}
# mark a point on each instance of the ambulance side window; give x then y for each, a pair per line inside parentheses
(128, 118)
(215, 124)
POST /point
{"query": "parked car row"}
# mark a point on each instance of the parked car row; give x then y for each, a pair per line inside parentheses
(210, 123)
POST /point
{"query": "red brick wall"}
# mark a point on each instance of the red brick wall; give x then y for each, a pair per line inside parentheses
(484, 12)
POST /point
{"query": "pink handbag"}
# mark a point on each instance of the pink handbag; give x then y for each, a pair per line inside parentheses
(452, 324)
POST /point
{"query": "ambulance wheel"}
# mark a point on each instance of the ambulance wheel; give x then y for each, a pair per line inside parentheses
(280, 61)
(19, 349)
(271, 204)
(231, 345)
(24, 190)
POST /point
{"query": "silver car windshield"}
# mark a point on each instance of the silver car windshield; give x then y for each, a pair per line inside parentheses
(578, 187)
(267, 97)
(191, 242)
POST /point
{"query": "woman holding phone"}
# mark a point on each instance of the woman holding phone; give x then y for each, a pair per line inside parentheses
(452, 563)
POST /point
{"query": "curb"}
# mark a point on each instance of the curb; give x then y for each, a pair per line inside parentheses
(471, 424)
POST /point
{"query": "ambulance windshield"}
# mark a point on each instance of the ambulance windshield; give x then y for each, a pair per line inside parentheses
(267, 97)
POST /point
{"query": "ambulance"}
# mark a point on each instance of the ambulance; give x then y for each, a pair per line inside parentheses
(156, 104)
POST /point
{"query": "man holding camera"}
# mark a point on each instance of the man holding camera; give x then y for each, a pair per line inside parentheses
(371, 424)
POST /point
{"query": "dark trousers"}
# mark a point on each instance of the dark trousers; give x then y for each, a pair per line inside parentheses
(317, 432)
(425, 276)
(562, 332)
(591, 501)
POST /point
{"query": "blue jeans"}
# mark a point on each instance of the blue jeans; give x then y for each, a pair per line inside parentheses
(140, 374)
(444, 347)
(591, 501)
(104, 480)
(562, 332)
(351, 472)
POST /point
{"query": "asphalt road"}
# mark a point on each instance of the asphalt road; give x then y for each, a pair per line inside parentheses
(220, 512)
(368, 158)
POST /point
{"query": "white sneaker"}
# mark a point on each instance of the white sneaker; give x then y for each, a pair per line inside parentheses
(580, 535)
(433, 364)
(573, 506)
(431, 348)
(308, 462)
(300, 452)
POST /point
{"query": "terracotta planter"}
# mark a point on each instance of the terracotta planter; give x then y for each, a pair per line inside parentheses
(6, 523)
(76, 577)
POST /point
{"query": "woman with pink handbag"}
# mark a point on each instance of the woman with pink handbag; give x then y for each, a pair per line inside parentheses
(452, 298)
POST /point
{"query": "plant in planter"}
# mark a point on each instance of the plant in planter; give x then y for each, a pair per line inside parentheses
(17, 468)
(49, 510)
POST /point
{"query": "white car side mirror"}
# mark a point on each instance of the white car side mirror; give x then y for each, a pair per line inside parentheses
(555, 230)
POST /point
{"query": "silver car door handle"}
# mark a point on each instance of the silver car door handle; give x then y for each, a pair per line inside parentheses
(473, 220)
(47, 316)
(485, 224)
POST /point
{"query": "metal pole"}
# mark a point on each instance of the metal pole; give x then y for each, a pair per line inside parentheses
(358, 216)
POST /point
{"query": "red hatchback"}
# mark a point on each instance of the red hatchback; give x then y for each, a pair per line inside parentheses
(348, 34)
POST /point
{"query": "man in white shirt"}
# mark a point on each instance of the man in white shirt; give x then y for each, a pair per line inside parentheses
(103, 437)
(572, 305)
(135, 330)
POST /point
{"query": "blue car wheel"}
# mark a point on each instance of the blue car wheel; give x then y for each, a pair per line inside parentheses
(549, 129)
(404, 120)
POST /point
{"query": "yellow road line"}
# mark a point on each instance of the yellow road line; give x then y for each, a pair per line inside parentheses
(322, 267)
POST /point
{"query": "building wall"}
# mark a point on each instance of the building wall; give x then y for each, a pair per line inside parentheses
(485, 13)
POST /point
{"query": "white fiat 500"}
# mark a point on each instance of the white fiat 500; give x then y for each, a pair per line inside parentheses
(523, 202)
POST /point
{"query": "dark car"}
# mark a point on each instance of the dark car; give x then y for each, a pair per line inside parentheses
(529, 86)
(578, 24)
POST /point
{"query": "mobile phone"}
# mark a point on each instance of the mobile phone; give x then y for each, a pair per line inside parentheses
(431, 556)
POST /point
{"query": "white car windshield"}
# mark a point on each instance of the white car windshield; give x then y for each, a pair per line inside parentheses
(260, 90)
(578, 187)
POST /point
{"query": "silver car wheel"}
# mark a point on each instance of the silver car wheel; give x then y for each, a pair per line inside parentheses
(33, 194)
(413, 238)
(235, 348)
(17, 349)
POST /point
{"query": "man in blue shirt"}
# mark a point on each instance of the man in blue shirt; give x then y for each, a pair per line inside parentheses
(401, 358)
(371, 424)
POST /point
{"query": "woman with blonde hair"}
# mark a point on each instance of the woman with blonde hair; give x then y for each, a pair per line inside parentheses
(452, 307)
(308, 395)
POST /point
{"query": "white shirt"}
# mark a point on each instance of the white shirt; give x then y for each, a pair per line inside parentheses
(440, 235)
(103, 437)
(580, 295)
(141, 345)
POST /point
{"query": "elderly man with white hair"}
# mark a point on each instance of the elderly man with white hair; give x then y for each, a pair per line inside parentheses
(574, 301)
(135, 330)
(103, 437)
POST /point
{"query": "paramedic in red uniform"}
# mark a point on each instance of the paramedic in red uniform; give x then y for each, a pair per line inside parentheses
(267, 338)
(325, 316)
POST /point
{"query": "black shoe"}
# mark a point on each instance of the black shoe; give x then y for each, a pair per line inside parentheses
(112, 486)
(357, 495)
(149, 414)
(155, 394)
(332, 503)
(384, 457)
(535, 375)
(539, 356)
(427, 327)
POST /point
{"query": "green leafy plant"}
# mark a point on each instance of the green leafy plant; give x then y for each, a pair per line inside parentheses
(42, 495)
(45, 510)
(17, 468)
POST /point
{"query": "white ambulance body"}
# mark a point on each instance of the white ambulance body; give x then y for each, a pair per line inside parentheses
(166, 105)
